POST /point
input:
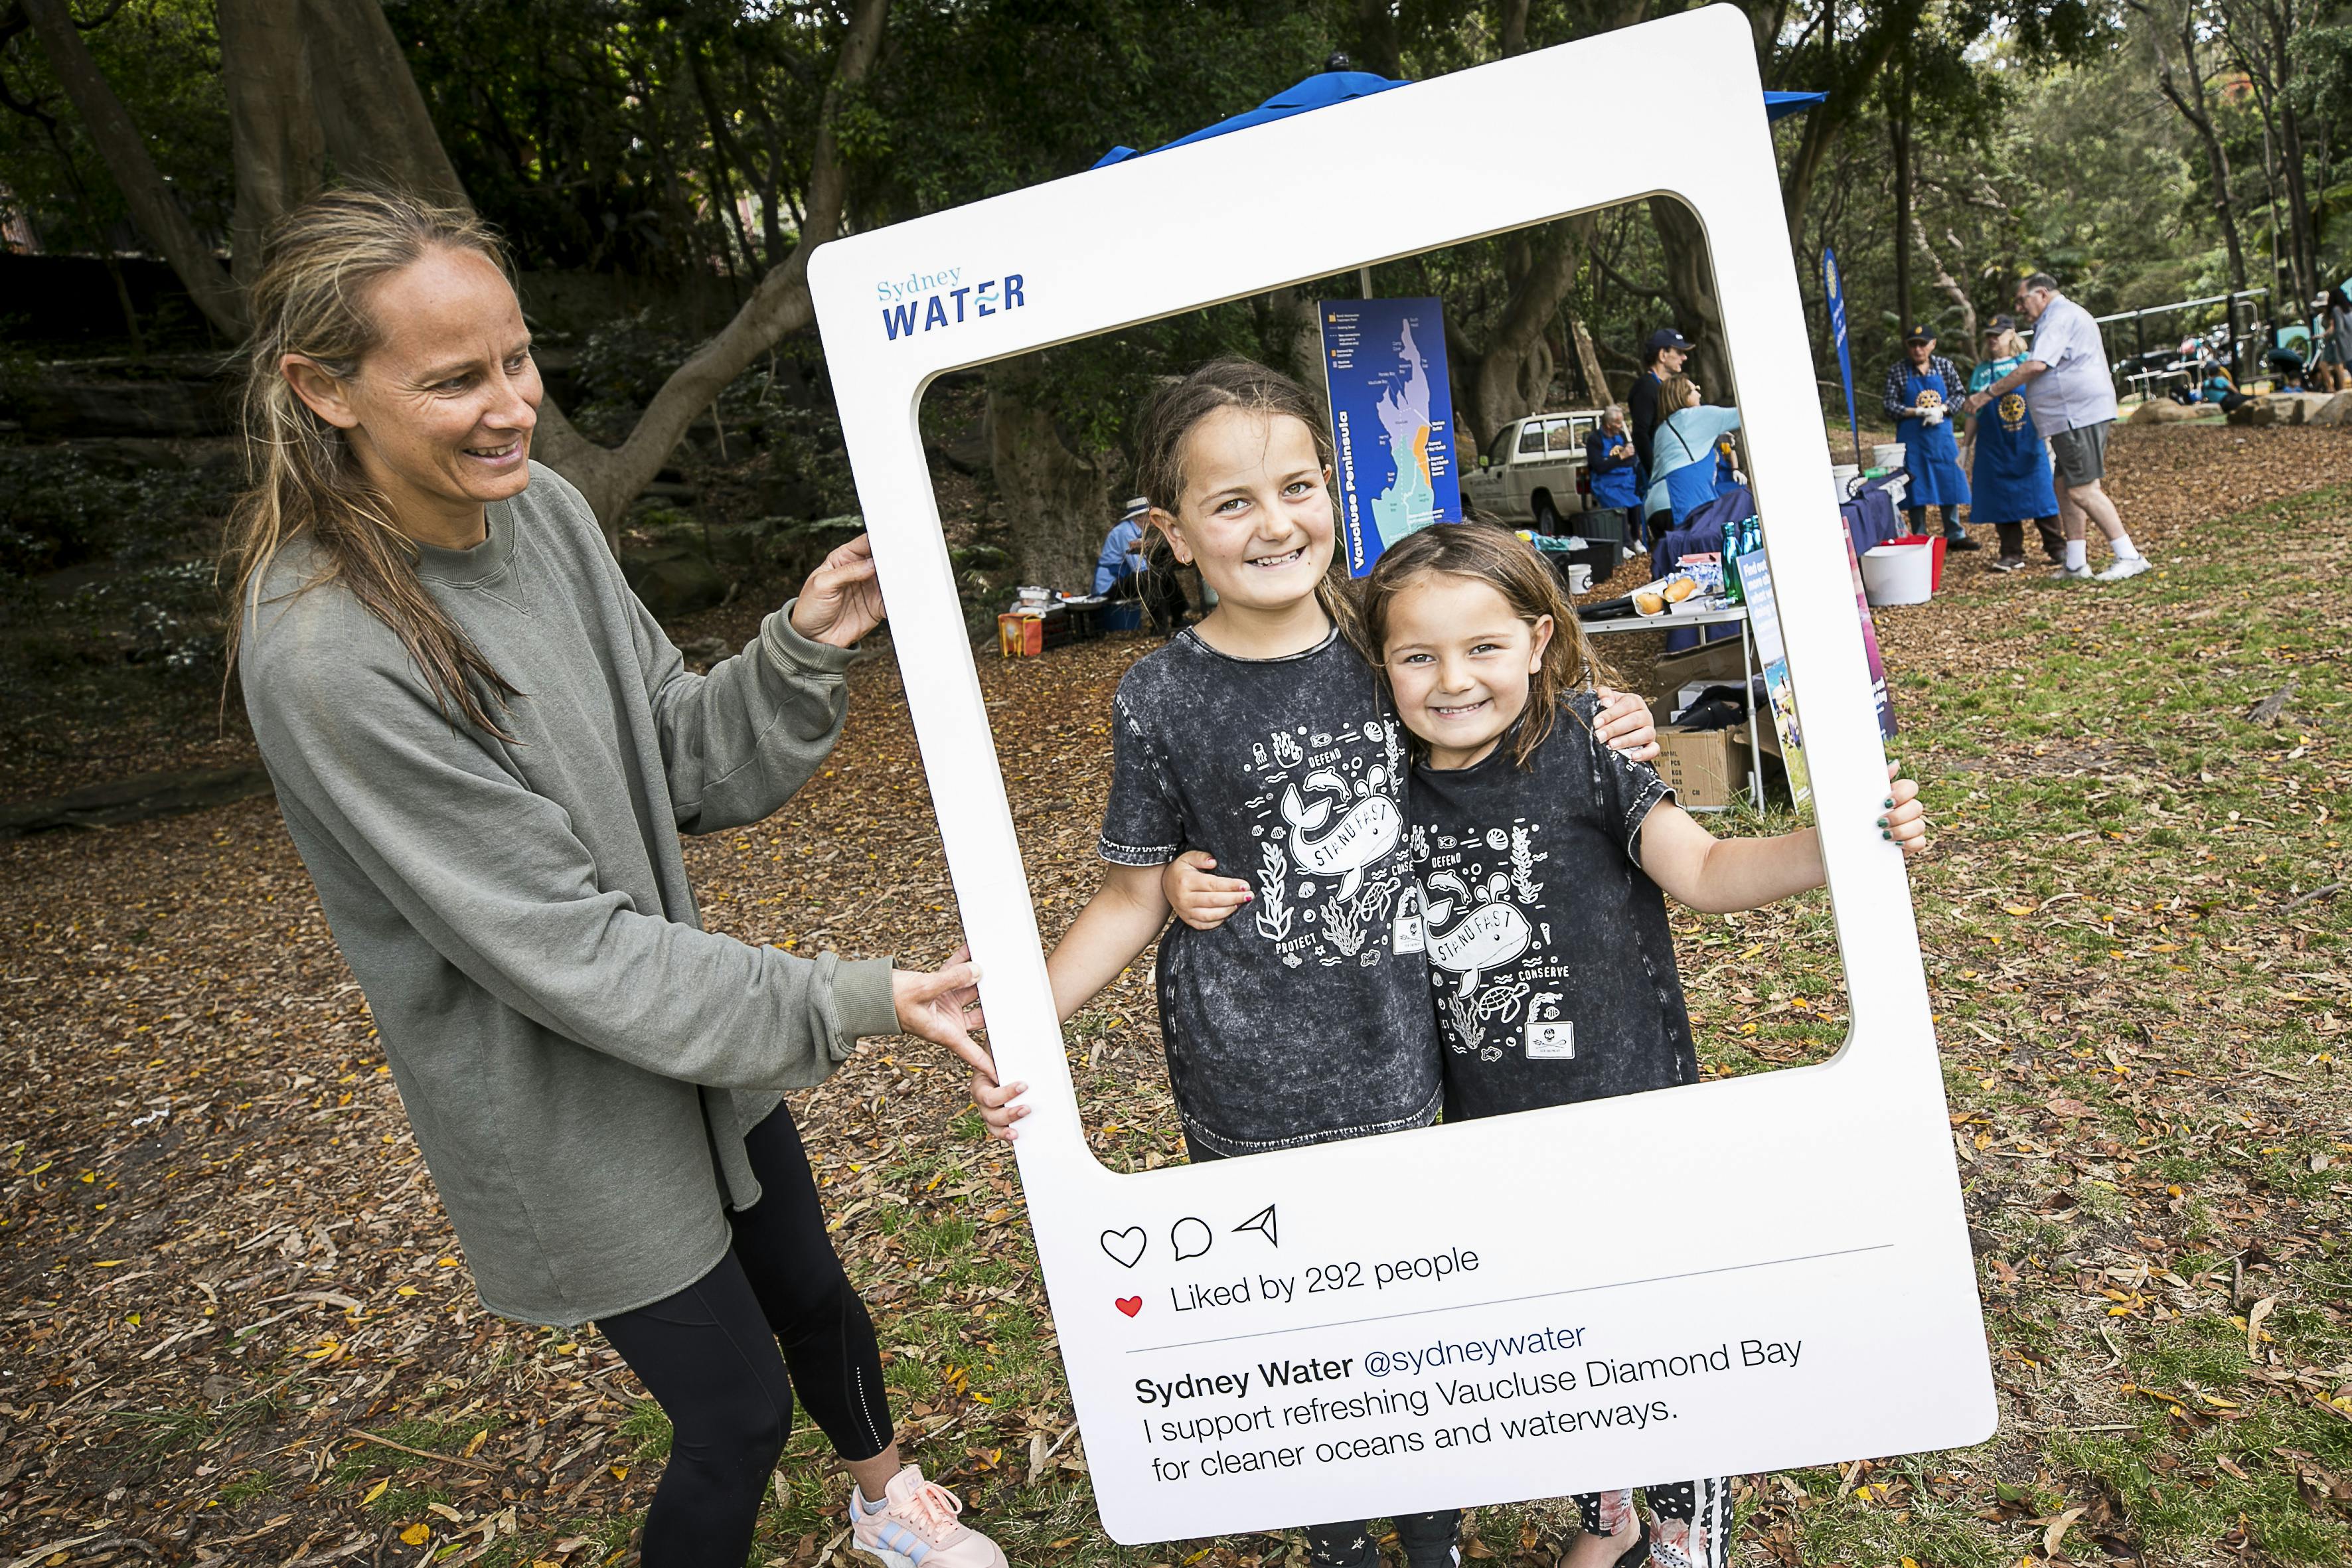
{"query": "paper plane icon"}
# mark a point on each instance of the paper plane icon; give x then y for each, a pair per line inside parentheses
(1260, 1222)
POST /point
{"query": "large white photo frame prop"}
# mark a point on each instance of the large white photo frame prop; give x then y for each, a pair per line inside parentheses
(1737, 1276)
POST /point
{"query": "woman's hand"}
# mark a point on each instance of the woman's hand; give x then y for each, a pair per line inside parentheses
(842, 600)
(1201, 902)
(943, 1007)
(1906, 820)
(1623, 723)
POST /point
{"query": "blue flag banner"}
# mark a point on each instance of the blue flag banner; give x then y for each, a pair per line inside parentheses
(1391, 421)
(1835, 286)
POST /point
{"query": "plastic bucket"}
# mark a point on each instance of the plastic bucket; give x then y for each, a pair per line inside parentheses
(1888, 454)
(1935, 543)
(1899, 573)
(1128, 617)
(1845, 474)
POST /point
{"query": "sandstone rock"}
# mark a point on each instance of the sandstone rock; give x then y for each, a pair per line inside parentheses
(135, 800)
(2336, 410)
(2164, 410)
(2258, 412)
(673, 584)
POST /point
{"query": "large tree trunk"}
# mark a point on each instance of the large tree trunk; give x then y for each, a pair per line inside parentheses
(374, 118)
(1057, 502)
(610, 478)
(275, 143)
(152, 205)
(1514, 371)
(1690, 280)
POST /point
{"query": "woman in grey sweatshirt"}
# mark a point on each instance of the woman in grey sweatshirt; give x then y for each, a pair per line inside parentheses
(485, 750)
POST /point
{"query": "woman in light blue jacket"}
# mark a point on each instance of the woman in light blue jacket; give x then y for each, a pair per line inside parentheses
(1682, 452)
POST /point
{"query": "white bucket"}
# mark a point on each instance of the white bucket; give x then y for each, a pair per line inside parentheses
(1898, 573)
(1845, 474)
(1888, 454)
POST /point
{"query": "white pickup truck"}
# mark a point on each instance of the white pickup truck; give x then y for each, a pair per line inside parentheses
(1527, 473)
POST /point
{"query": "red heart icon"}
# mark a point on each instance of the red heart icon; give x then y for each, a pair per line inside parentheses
(1131, 1305)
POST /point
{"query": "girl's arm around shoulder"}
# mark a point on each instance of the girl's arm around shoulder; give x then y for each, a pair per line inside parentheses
(1718, 876)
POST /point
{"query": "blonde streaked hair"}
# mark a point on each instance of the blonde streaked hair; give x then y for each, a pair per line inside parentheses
(320, 265)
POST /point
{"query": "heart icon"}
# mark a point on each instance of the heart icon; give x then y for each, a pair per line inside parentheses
(1125, 1247)
(1131, 1305)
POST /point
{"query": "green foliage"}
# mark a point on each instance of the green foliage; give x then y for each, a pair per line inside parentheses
(163, 58)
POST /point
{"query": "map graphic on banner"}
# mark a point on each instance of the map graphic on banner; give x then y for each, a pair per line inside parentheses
(1391, 421)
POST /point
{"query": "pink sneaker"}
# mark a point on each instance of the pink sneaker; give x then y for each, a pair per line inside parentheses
(916, 1527)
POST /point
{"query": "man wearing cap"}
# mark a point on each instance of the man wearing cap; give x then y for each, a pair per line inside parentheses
(2069, 392)
(1122, 572)
(1667, 349)
(1922, 387)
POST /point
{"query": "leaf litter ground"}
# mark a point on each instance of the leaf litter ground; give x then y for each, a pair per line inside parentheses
(238, 1329)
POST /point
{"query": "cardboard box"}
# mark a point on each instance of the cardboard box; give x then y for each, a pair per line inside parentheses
(1707, 768)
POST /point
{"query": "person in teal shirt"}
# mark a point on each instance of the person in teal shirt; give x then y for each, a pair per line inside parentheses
(1682, 450)
(2011, 481)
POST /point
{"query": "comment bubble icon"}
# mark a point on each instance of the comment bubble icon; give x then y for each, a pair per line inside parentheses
(1190, 1238)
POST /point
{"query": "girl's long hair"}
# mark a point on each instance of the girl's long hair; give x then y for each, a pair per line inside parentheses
(321, 264)
(2008, 344)
(1172, 415)
(1484, 552)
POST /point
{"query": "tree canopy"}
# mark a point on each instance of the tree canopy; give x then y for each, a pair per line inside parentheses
(2142, 150)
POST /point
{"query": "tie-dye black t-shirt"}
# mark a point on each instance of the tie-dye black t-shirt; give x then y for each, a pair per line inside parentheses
(1549, 956)
(1305, 1017)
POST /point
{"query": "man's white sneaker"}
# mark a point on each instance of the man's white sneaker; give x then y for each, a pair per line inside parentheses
(2125, 566)
(916, 1528)
(2074, 573)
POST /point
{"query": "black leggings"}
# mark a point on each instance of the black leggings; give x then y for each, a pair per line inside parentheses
(710, 1354)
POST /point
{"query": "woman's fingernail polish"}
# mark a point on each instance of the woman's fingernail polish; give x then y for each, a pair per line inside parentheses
(1888, 803)
(1884, 833)
(1882, 821)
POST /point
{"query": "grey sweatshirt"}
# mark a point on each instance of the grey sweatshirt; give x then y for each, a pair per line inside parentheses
(579, 1059)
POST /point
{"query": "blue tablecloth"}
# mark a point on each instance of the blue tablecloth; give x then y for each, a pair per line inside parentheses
(1871, 516)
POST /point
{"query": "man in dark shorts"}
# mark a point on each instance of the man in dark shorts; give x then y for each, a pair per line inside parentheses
(2070, 394)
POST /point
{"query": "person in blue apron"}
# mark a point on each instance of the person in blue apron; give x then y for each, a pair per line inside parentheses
(1614, 471)
(1921, 391)
(2011, 475)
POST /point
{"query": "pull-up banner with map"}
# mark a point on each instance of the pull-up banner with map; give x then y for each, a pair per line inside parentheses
(1391, 421)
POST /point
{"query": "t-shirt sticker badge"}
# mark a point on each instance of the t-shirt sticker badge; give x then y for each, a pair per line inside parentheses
(1407, 933)
(1551, 1041)
(1324, 884)
(1489, 931)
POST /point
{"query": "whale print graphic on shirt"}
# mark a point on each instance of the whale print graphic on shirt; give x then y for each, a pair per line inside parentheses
(1305, 1016)
(1551, 966)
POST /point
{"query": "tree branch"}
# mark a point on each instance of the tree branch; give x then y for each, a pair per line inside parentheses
(124, 151)
(611, 478)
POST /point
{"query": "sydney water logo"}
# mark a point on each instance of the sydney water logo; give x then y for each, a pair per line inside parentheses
(944, 300)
